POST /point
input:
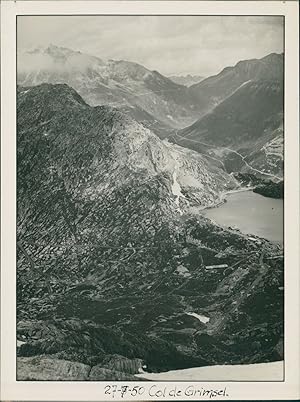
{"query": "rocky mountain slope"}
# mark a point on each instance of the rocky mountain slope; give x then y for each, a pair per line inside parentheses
(213, 90)
(113, 258)
(245, 130)
(146, 95)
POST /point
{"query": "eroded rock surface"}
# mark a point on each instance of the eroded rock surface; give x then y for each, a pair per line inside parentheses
(42, 368)
(103, 241)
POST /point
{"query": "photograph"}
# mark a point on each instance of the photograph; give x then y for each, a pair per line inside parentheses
(150, 194)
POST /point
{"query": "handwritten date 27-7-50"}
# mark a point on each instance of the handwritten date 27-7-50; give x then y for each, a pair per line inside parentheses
(156, 391)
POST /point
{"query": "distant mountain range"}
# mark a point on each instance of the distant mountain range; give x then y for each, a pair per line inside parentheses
(114, 259)
(146, 95)
(186, 80)
(105, 157)
(241, 108)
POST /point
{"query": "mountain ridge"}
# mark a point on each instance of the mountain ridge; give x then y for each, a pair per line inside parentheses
(242, 125)
(213, 90)
(121, 83)
(149, 97)
(112, 253)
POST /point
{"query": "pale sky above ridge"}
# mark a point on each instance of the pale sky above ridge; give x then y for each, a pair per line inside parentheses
(201, 45)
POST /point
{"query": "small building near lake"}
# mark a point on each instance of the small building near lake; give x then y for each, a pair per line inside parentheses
(219, 266)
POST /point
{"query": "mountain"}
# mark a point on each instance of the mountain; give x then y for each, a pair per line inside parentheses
(245, 130)
(145, 94)
(138, 152)
(113, 256)
(186, 80)
(213, 90)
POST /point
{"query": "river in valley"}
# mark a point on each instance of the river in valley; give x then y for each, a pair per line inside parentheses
(251, 213)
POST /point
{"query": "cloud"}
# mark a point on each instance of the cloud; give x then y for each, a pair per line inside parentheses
(55, 61)
(170, 44)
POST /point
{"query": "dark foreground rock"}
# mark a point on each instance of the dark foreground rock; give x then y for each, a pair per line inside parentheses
(48, 368)
(114, 259)
(122, 364)
(43, 368)
(99, 373)
(267, 188)
(270, 189)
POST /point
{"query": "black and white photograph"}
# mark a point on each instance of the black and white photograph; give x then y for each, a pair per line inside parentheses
(149, 201)
(150, 198)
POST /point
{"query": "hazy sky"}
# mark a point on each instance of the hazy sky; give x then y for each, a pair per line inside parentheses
(172, 45)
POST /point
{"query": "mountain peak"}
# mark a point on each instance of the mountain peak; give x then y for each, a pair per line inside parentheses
(57, 111)
(273, 57)
(57, 98)
(120, 83)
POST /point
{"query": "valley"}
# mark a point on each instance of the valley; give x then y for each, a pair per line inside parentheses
(123, 265)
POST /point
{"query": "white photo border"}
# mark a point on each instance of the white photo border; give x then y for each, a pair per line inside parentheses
(11, 389)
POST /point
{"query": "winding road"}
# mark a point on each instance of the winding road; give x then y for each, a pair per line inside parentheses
(230, 150)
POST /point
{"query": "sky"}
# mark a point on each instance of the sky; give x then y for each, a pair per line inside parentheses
(201, 45)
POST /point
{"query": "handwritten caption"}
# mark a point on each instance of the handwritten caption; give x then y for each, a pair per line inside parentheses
(163, 391)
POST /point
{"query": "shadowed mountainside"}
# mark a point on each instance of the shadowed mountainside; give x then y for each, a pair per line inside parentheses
(244, 131)
(112, 258)
(213, 90)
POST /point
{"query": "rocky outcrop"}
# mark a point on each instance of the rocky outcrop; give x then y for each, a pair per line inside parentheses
(123, 364)
(49, 368)
(270, 189)
(98, 373)
(43, 368)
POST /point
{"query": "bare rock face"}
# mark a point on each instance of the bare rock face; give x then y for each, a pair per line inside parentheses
(98, 373)
(123, 364)
(48, 368)
(43, 368)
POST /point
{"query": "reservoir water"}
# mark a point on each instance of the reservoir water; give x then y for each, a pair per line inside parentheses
(251, 213)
